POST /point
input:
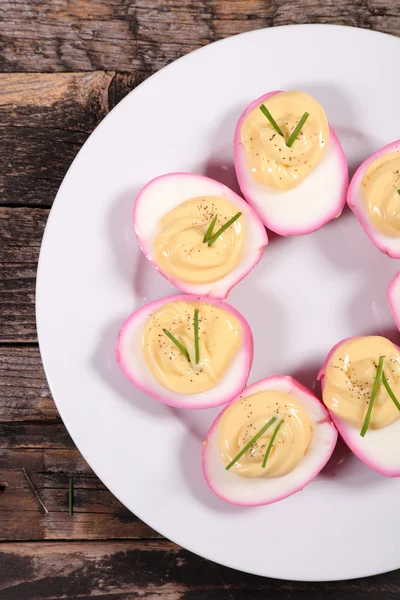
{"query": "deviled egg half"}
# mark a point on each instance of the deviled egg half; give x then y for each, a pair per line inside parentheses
(198, 233)
(289, 163)
(374, 197)
(361, 389)
(268, 443)
(186, 351)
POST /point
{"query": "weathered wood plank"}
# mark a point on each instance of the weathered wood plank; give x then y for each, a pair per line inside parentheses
(154, 570)
(97, 513)
(237, 16)
(21, 232)
(74, 36)
(24, 393)
(144, 36)
(55, 464)
(44, 120)
(32, 437)
(74, 101)
(33, 525)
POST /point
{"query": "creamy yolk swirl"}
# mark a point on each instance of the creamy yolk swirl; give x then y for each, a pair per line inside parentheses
(180, 250)
(220, 336)
(245, 418)
(380, 188)
(269, 159)
(350, 376)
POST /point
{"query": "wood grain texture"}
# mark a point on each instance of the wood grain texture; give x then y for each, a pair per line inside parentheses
(145, 35)
(97, 513)
(33, 437)
(24, 393)
(21, 232)
(44, 120)
(237, 16)
(135, 37)
(155, 570)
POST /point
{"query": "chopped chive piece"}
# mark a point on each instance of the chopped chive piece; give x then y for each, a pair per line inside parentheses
(390, 391)
(398, 191)
(71, 498)
(251, 442)
(271, 443)
(297, 129)
(210, 229)
(177, 343)
(222, 229)
(271, 119)
(373, 396)
(196, 336)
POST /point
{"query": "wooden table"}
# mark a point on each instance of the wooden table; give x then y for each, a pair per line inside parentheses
(64, 64)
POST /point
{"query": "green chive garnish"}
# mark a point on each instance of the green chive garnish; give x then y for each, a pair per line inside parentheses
(398, 191)
(373, 396)
(177, 343)
(196, 336)
(251, 442)
(271, 119)
(296, 131)
(71, 498)
(390, 391)
(210, 229)
(222, 229)
(271, 442)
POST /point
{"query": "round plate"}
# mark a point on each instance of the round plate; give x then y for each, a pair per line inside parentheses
(305, 295)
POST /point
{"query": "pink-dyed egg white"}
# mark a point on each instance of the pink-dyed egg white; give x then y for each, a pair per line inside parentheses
(300, 420)
(132, 345)
(381, 221)
(168, 193)
(379, 448)
(393, 295)
(304, 206)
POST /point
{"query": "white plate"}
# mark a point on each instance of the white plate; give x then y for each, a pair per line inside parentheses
(306, 294)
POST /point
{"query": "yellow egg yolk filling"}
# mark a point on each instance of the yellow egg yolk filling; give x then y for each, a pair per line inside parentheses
(349, 378)
(245, 418)
(380, 188)
(220, 336)
(270, 161)
(180, 249)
